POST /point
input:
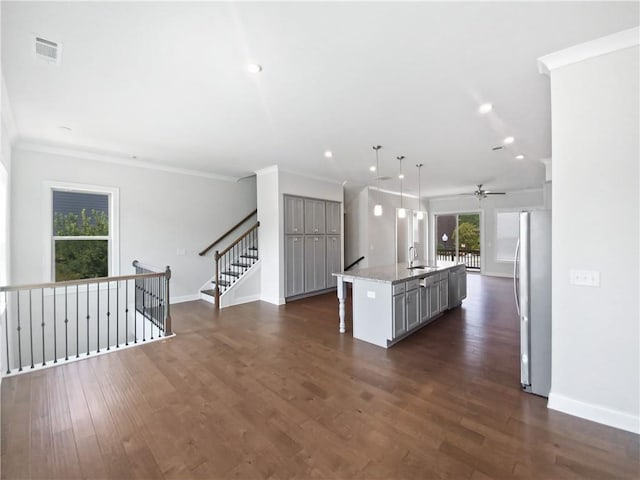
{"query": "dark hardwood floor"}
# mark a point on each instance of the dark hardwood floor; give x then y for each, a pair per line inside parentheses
(260, 391)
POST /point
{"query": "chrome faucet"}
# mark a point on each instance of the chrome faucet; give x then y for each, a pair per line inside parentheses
(412, 255)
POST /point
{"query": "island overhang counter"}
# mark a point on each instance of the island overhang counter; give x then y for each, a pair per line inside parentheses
(392, 302)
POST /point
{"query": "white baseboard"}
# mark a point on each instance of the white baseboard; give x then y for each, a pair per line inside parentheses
(185, 298)
(241, 300)
(595, 413)
(497, 274)
(274, 301)
(207, 298)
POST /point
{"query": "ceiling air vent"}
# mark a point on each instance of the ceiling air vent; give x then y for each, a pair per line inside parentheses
(47, 50)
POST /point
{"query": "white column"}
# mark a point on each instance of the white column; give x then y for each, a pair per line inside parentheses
(342, 293)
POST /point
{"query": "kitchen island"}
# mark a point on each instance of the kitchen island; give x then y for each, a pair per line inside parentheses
(392, 302)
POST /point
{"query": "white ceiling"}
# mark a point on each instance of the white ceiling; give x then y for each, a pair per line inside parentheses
(167, 82)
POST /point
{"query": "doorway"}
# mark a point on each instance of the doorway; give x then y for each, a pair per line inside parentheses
(458, 239)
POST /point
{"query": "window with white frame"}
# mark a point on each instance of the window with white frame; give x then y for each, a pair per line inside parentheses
(82, 233)
(507, 231)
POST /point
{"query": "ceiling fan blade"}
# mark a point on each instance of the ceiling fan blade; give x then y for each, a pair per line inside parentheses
(495, 193)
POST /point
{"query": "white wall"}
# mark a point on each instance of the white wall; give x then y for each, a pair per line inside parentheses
(356, 232)
(272, 185)
(488, 208)
(595, 121)
(160, 212)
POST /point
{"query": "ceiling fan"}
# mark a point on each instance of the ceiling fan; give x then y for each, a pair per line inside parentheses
(480, 193)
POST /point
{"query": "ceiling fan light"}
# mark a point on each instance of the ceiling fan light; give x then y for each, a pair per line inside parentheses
(377, 210)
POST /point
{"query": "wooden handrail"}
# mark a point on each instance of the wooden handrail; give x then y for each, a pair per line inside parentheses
(354, 263)
(228, 232)
(237, 240)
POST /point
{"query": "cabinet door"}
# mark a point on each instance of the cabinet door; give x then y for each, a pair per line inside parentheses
(413, 308)
(399, 326)
(315, 263)
(293, 215)
(444, 295)
(434, 300)
(425, 312)
(453, 286)
(314, 216)
(462, 284)
(334, 249)
(294, 265)
(333, 218)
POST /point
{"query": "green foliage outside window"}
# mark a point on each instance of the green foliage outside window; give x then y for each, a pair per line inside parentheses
(469, 236)
(78, 259)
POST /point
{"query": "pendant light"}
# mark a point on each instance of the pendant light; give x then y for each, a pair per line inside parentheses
(377, 209)
(402, 213)
(419, 215)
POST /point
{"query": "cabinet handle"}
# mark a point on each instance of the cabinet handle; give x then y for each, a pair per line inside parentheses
(295, 239)
(315, 230)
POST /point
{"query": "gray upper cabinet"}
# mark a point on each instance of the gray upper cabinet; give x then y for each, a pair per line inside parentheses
(294, 265)
(333, 259)
(333, 218)
(314, 216)
(315, 269)
(293, 215)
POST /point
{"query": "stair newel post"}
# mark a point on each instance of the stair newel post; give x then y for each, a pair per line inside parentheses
(167, 320)
(217, 289)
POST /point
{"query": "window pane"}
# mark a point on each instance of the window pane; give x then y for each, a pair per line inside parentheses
(79, 213)
(78, 259)
(507, 224)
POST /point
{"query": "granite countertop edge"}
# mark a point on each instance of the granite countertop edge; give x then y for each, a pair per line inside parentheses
(396, 273)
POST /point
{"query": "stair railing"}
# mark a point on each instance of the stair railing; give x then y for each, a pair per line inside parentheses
(47, 323)
(353, 264)
(227, 233)
(244, 250)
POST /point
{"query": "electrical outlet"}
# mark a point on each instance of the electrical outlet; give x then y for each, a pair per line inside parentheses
(585, 278)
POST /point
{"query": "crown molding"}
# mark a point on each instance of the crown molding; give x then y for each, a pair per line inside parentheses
(583, 51)
(34, 146)
(312, 177)
(7, 114)
(267, 170)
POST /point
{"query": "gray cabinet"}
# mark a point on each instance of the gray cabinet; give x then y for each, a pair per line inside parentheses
(457, 285)
(399, 315)
(412, 301)
(294, 265)
(425, 312)
(333, 218)
(314, 216)
(434, 300)
(315, 270)
(334, 259)
(316, 224)
(293, 215)
(443, 292)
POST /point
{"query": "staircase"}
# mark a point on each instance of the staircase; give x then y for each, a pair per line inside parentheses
(232, 273)
(232, 266)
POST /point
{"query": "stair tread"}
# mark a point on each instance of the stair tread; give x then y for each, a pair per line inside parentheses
(243, 265)
(255, 257)
(222, 283)
(211, 293)
(253, 248)
(232, 273)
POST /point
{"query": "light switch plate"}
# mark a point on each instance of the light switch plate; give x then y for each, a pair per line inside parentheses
(371, 294)
(585, 278)
(181, 252)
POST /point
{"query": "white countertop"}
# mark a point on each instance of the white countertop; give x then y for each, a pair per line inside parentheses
(396, 273)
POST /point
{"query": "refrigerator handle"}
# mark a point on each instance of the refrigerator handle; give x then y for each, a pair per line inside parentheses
(516, 261)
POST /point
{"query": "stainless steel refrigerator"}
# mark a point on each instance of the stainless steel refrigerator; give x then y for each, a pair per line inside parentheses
(532, 288)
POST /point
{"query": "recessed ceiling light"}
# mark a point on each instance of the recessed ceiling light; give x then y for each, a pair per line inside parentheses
(372, 168)
(401, 176)
(485, 108)
(508, 140)
(254, 68)
(328, 154)
(520, 157)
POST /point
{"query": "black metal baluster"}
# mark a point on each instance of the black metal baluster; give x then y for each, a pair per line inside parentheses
(42, 321)
(160, 307)
(6, 327)
(55, 336)
(31, 327)
(135, 310)
(19, 336)
(66, 326)
(77, 323)
(88, 315)
(97, 315)
(108, 315)
(144, 297)
(117, 314)
(152, 293)
(126, 312)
